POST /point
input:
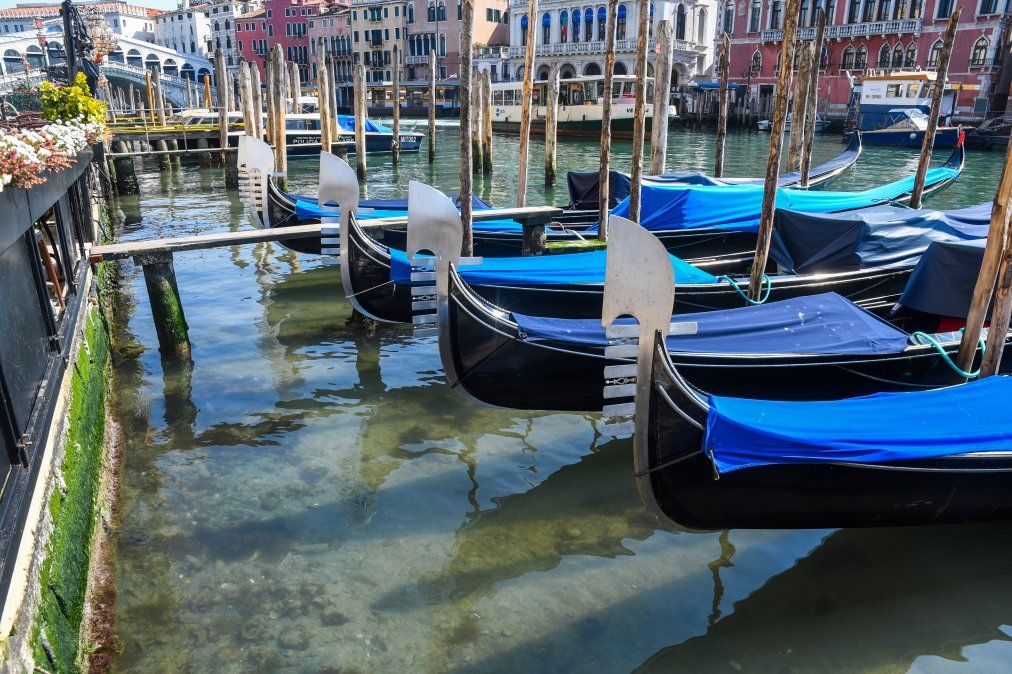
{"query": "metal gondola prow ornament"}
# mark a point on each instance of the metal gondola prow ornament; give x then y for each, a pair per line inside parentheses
(332, 181)
(255, 164)
(640, 283)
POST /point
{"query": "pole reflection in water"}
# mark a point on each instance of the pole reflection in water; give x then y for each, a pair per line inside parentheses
(309, 495)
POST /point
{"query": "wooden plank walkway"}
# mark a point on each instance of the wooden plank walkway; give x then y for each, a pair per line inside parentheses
(127, 249)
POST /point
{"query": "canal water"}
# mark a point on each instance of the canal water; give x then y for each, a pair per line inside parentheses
(310, 496)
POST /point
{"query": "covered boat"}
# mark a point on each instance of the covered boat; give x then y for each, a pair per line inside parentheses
(905, 127)
(820, 345)
(708, 462)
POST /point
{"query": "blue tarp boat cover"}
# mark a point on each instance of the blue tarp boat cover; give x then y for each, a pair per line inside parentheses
(738, 207)
(943, 281)
(817, 324)
(307, 207)
(883, 236)
(348, 123)
(878, 429)
(572, 269)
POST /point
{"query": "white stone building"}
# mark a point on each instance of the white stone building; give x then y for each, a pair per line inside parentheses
(571, 33)
(129, 20)
(222, 26)
(186, 30)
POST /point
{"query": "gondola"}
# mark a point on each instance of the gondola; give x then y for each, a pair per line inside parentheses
(709, 462)
(832, 346)
(505, 237)
(571, 286)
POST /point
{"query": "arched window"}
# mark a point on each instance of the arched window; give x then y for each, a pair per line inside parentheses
(776, 15)
(680, 22)
(523, 30)
(227, 26)
(546, 28)
(883, 9)
(847, 60)
(797, 59)
(564, 27)
(935, 54)
(979, 55)
(701, 27)
(754, 16)
(576, 25)
(588, 22)
(728, 16)
(883, 56)
(620, 23)
(431, 16)
(757, 63)
(441, 12)
(898, 57)
(911, 58)
(861, 58)
(869, 11)
(803, 13)
(602, 22)
(411, 13)
(442, 45)
(619, 69)
(216, 27)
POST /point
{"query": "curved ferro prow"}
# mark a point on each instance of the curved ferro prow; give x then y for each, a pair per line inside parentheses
(639, 282)
(434, 227)
(255, 165)
(332, 178)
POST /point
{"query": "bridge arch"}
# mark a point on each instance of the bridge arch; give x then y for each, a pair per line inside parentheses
(36, 59)
(151, 61)
(170, 67)
(117, 56)
(134, 59)
(187, 72)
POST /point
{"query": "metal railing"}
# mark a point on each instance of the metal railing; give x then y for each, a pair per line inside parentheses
(901, 27)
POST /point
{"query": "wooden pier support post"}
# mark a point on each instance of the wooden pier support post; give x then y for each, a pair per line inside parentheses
(204, 154)
(150, 95)
(295, 83)
(811, 107)
(605, 164)
(551, 125)
(164, 161)
(395, 143)
(159, 96)
(798, 110)
(278, 93)
(486, 118)
(221, 86)
(176, 156)
(126, 176)
(432, 106)
(166, 307)
(466, 123)
(477, 158)
(359, 94)
(936, 108)
(246, 101)
(639, 110)
(207, 92)
(323, 102)
(776, 148)
(995, 253)
(258, 103)
(662, 97)
(526, 98)
(725, 59)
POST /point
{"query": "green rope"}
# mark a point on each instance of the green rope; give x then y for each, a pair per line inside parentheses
(766, 295)
(930, 339)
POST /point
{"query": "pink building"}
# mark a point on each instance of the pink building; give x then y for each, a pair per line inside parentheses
(284, 22)
(333, 25)
(862, 35)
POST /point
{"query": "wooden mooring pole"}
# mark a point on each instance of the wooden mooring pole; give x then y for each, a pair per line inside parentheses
(466, 123)
(936, 107)
(395, 142)
(725, 59)
(811, 107)
(358, 81)
(246, 101)
(995, 254)
(258, 113)
(159, 96)
(776, 147)
(798, 110)
(526, 98)
(477, 159)
(432, 106)
(166, 307)
(278, 93)
(639, 110)
(323, 98)
(486, 118)
(605, 163)
(662, 97)
(150, 94)
(207, 92)
(551, 125)
(126, 176)
(295, 82)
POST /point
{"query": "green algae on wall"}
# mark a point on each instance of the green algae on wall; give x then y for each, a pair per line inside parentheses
(73, 507)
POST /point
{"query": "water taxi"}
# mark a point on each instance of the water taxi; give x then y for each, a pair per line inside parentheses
(581, 102)
(893, 108)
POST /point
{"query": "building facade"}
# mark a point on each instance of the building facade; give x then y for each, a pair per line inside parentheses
(186, 30)
(571, 34)
(284, 22)
(129, 20)
(221, 22)
(435, 25)
(333, 26)
(871, 35)
(376, 26)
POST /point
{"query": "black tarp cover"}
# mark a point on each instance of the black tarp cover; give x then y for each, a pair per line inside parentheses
(943, 281)
(881, 236)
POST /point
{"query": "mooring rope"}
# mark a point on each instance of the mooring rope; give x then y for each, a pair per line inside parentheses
(930, 339)
(766, 295)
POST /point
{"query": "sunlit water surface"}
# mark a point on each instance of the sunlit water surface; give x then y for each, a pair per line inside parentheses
(310, 496)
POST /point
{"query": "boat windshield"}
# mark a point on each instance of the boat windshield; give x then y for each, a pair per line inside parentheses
(907, 118)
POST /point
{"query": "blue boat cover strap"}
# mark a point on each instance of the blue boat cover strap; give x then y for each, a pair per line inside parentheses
(543, 270)
(825, 324)
(307, 207)
(883, 236)
(943, 281)
(738, 207)
(884, 428)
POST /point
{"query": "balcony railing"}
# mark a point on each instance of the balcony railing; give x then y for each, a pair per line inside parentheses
(577, 48)
(904, 27)
(416, 60)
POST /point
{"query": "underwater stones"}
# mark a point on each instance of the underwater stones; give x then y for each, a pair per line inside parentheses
(293, 637)
(333, 617)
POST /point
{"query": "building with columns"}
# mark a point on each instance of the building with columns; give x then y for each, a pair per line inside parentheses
(571, 34)
(873, 35)
(186, 30)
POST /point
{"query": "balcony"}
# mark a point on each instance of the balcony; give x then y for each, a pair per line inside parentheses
(417, 60)
(904, 27)
(578, 48)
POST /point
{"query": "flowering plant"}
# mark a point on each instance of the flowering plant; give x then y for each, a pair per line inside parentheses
(27, 154)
